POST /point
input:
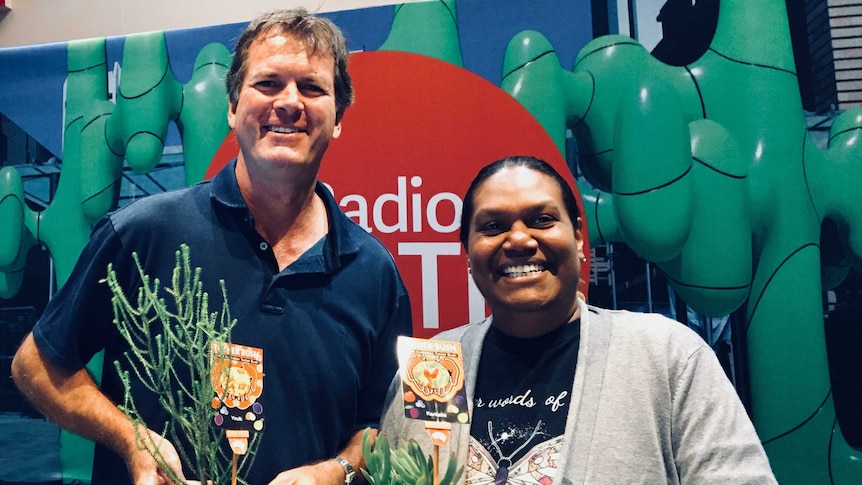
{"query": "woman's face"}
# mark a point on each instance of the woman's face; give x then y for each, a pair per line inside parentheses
(523, 249)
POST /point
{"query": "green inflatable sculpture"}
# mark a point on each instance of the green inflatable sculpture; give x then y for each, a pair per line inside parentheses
(98, 135)
(708, 170)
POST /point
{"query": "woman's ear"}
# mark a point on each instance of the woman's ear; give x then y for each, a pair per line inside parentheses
(579, 240)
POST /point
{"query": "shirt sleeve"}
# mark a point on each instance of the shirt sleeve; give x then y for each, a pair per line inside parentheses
(78, 320)
(714, 439)
(384, 363)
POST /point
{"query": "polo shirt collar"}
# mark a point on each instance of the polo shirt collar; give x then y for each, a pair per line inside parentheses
(225, 189)
(340, 243)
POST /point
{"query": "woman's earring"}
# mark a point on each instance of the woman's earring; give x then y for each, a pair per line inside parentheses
(583, 259)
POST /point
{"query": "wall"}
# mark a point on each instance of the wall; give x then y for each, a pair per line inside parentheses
(46, 21)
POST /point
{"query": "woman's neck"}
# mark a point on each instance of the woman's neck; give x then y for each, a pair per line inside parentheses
(534, 323)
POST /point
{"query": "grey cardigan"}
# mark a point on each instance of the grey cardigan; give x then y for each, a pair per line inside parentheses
(650, 404)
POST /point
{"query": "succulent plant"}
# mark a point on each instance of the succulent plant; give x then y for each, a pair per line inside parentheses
(406, 464)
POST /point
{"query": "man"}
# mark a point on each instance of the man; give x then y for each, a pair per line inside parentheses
(317, 293)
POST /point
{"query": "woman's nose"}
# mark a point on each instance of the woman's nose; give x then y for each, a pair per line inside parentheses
(520, 238)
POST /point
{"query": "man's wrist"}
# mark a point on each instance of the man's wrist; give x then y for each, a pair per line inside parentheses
(349, 472)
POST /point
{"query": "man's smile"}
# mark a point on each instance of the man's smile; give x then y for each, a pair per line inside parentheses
(283, 129)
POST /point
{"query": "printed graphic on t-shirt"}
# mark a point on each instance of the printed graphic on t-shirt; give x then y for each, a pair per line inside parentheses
(537, 467)
(520, 405)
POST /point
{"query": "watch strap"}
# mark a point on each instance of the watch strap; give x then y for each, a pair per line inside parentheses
(349, 472)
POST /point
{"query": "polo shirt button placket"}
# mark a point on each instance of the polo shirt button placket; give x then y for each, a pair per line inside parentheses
(264, 246)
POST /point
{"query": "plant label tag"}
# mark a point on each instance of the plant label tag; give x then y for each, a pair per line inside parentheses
(432, 380)
(237, 381)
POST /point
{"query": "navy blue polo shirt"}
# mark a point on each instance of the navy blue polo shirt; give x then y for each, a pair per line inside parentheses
(327, 323)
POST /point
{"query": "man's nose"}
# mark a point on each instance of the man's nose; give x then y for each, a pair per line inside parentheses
(288, 99)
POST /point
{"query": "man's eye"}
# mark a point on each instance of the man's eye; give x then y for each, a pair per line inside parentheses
(266, 84)
(312, 89)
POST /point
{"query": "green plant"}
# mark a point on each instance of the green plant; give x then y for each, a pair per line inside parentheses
(170, 344)
(404, 465)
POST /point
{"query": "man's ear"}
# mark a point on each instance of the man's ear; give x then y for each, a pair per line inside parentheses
(231, 114)
(336, 131)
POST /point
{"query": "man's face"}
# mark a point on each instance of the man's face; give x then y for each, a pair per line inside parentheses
(523, 249)
(285, 113)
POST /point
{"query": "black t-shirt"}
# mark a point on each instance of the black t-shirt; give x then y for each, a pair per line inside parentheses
(523, 390)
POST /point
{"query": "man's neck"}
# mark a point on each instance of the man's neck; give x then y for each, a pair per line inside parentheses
(287, 214)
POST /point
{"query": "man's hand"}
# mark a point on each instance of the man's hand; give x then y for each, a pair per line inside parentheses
(327, 472)
(144, 468)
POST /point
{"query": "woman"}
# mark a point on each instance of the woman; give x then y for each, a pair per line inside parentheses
(563, 392)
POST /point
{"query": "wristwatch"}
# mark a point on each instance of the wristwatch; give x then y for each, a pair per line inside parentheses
(348, 470)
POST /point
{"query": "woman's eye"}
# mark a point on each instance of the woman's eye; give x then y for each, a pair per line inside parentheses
(543, 220)
(492, 228)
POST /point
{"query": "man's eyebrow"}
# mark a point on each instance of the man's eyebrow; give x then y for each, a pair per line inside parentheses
(260, 73)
